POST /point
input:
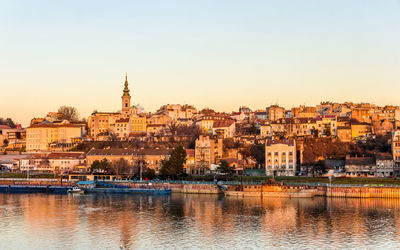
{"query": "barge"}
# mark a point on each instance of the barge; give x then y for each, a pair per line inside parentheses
(271, 189)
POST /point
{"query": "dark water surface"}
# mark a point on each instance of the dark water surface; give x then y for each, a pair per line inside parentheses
(40, 221)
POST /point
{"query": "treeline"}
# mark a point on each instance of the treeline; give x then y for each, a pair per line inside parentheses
(8, 121)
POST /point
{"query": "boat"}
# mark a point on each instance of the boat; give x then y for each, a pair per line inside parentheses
(76, 190)
(271, 189)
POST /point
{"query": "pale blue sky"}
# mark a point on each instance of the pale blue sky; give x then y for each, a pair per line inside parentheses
(219, 54)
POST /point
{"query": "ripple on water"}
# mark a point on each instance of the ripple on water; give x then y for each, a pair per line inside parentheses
(196, 221)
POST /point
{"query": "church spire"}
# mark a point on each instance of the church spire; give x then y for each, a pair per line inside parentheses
(126, 89)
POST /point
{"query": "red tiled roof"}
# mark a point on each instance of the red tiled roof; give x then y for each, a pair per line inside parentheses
(5, 127)
(190, 152)
(289, 142)
(59, 155)
(222, 123)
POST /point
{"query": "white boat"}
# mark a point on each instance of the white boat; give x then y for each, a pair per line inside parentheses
(75, 190)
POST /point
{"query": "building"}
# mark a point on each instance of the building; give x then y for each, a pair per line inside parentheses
(55, 162)
(119, 125)
(189, 167)
(360, 130)
(360, 166)
(177, 111)
(207, 151)
(280, 157)
(49, 136)
(384, 165)
(396, 147)
(327, 125)
(344, 133)
(224, 128)
(275, 112)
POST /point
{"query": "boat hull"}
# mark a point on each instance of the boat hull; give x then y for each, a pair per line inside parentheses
(283, 194)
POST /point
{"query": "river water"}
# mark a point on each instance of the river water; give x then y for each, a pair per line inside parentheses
(40, 221)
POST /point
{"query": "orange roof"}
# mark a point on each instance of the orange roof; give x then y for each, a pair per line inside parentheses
(222, 123)
(190, 152)
(55, 125)
(56, 155)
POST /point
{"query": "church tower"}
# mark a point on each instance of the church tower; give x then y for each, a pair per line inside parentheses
(126, 98)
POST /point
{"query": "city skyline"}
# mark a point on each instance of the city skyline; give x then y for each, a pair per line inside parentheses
(219, 55)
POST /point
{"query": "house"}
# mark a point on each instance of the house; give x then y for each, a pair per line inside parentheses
(384, 165)
(207, 151)
(360, 166)
(360, 130)
(275, 112)
(224, 128)
(344, 133)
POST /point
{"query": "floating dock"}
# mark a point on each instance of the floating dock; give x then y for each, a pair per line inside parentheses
(129, 191)
(34, 189)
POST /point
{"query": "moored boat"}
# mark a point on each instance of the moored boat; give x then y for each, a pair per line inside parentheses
(271, 189)
(76, 190)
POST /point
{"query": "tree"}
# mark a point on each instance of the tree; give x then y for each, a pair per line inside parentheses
(68, 113)
(173, 167)
(9, 122)
(121, 167)
(150, 173)
(258, 152)
(5, 141)
(314, 132)
(225, 168)
(253, 129)
(103, 166)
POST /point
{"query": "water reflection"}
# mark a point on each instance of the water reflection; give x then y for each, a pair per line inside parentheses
(201, 221)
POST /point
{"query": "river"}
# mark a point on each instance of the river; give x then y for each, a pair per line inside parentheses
(40, 221)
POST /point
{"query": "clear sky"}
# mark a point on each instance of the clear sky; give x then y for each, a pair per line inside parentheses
(219, 54)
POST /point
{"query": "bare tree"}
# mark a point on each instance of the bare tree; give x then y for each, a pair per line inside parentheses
(68, 113)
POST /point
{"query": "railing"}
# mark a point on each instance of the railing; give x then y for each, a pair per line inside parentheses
(29, 179)
(316, 184)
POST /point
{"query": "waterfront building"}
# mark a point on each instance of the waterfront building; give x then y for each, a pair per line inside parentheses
(52, 136)
(360, 166)
(280, 157)
(384, 165)
(54, 162)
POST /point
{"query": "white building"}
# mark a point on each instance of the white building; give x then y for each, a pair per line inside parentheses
(280, 157)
